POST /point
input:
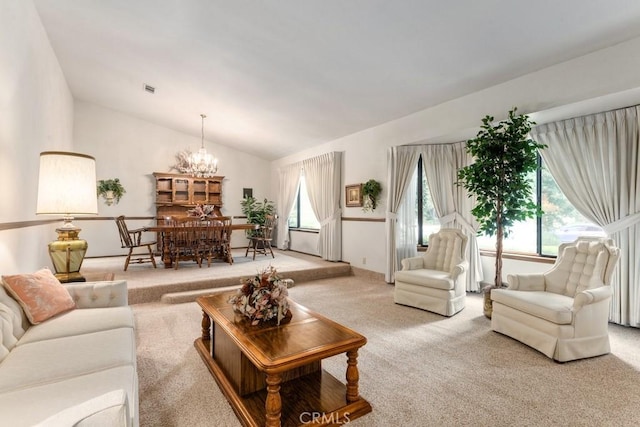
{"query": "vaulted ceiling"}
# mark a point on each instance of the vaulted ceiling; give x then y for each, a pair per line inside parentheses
(275, 77)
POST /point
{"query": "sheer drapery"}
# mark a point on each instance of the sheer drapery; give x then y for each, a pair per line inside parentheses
(451, 202)
(407, 224)
(323, 177)
(401, 164)
(289, 181)
(594, 160)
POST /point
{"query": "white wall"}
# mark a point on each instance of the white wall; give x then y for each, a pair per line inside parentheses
(132, 149)
(36, 114)
(599, 81)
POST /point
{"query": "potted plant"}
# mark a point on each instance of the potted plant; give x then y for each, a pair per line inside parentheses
(504, 157)
(256, 211)
(111, 190)
(370, 194)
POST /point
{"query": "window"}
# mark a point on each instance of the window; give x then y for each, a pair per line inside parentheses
(428, 222)
(560, 221)
(302, 215)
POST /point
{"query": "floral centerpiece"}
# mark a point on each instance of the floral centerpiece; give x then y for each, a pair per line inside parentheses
(202, 211)
(263, 297)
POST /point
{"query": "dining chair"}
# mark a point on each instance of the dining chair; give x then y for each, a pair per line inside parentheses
(260, 240)
(215, 240)
(185, 241)
(132, 239)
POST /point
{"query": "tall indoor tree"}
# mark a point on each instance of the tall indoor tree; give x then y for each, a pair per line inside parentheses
(504, 155)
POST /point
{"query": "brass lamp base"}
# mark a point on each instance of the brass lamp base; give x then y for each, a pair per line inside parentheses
(67, 254)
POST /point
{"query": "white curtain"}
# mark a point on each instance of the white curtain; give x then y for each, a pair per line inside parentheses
(289, 181)
(323, 177)
(401, 164)
(451, 202)
(407, 224)
(594, 159)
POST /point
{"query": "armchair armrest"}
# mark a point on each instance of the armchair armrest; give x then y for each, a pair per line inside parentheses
(136, 235)
(526, 282)
(459, 269)
(412, 263)
(99, 294)
(591, 296)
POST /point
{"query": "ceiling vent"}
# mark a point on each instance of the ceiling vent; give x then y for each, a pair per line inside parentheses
(149, 89)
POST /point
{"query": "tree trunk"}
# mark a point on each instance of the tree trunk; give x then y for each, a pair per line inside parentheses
(497, 281)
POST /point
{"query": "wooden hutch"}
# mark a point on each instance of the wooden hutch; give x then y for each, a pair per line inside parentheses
(176, 193)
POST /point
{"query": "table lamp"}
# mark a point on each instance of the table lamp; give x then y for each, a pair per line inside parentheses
(67, 186)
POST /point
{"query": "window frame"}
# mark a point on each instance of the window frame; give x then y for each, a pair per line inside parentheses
(539, 255)
(297, 206)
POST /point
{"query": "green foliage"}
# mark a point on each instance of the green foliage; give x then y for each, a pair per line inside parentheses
(504, 156)
(371, 192)
(256, 211)
(114, 185)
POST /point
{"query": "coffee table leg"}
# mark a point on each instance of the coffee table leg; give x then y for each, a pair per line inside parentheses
(273, 404)
(352, 376)
(206, 326)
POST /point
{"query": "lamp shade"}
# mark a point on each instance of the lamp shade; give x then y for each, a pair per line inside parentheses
(67, 184)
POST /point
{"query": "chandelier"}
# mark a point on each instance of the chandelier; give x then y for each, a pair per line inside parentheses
(201, 164)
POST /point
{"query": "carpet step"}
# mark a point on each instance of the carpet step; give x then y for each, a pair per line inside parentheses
(188, 291)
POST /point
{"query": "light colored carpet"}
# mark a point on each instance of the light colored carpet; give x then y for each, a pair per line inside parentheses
(417, 369)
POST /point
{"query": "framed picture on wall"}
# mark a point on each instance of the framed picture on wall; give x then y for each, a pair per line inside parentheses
(353, 195)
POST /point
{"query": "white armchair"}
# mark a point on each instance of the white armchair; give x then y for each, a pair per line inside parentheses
(435, 281)
(563, 313)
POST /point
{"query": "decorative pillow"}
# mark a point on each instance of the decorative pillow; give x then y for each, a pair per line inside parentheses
(40, 294)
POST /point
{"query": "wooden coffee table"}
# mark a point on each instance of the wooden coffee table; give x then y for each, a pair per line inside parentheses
(272, 375)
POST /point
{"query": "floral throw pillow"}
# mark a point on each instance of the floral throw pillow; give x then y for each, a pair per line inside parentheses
(40, 294)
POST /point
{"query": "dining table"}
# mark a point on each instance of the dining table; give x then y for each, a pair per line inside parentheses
(165, 231)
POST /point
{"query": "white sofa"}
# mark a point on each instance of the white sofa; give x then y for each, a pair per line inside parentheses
(436, 280)
(75, 369)
(563, 313)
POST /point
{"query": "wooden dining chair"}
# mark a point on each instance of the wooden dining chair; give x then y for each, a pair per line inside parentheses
(132, 239)
(185, 241)
(216, 242)
(260, 240)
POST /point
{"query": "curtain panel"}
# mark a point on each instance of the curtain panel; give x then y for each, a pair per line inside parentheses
(289, 181)
(594, 160)
(401, 164)
(407, 223)
(323, 177)
(451, 202)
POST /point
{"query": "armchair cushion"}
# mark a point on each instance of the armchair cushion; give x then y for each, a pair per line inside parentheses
(430, 278)
(40, 294)
(545, 305)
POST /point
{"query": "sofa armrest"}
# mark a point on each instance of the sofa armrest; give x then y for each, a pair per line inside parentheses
(99, 294)
(412, 263)
(526, 282)
(110, 409)
(591, 296)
